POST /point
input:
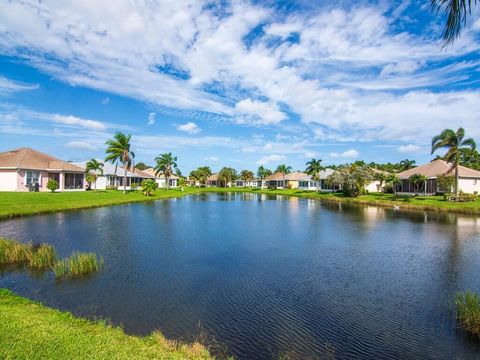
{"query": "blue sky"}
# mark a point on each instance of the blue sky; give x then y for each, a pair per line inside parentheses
(238, 84)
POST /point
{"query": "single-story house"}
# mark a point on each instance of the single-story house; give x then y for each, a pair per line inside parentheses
(192, 182)
(468, 182)
(324, 183)
(111, 178)
(161, 180)
(294, 180)
(25, 169)
(252, 183)
(214, 181)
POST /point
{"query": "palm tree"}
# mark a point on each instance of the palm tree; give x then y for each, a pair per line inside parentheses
(457, 11)
(246, 175)
(454, 142)
(313, 169)
(94, 168)
(284, 170)
(165, 163)
(407, 164)
(227, 175)
(119, 150)
(417, 180)
(262, 173)
(393, 179)
(149, 186)
(381, 177)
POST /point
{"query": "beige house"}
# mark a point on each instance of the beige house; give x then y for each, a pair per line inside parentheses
(468, 182)
(25, 169)
(161, 180)
(294, 180)
(375, 185)
(213, 180)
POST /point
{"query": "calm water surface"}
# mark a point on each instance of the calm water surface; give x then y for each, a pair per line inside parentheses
(268, 275)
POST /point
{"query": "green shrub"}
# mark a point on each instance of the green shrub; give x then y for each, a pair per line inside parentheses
(52, 185)
(468, 311)
(463, 197)
(111, 187)
(134, 186)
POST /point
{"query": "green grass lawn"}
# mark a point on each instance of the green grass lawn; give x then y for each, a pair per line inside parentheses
(29, 330)
(29, 203)
(14, 204)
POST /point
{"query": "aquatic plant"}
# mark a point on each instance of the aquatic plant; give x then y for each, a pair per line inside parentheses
(42, 256)
(13, 252)
(468, 311)
(78, 264)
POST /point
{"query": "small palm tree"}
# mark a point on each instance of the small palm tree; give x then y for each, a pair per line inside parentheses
(149, 186)
(119, 150)
(246, 175)
(284, 170)
(407, 164)
(313, 169)
(454, 142)
(165, 164)
(417, 181)
(94, 168)
(393, 180)
(262, 173)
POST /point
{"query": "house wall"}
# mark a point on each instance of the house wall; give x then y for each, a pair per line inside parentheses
(101, 183)
(373, 186)
(21, 180)
(468, 185)
(292, 184)
(8, 180)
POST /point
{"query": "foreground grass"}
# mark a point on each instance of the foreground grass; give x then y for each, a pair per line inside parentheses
(14, 204)
(29, 330)
(468, 312)
(431, 203)
(20, 204)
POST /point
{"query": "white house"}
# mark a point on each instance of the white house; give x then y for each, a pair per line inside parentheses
(161, 180)
(114, 178)
(25, 169)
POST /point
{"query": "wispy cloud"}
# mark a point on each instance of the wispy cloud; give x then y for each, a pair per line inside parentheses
(349, 154)
(8, 86)
(151, 118)
(270, 158)
(189, 127)
(81, 145)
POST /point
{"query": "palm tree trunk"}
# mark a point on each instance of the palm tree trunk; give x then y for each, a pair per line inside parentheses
(95, 184)
(167, 179)
(456, 178)
(125, 180)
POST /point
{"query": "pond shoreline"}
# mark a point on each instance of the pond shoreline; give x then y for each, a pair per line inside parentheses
(47, 203)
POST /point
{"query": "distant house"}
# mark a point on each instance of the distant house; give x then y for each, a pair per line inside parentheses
(25, 169)
(375, 185)
(161, 180)
(114, 178)
(252, 183)
(213, 180)
(469, 179)
(324, 183)
(294, 180)
(192, 182)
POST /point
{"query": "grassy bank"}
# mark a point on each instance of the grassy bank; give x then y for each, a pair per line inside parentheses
(21, 204)
(468, 312)
(14, 204)
(431, 203)
(29, 330)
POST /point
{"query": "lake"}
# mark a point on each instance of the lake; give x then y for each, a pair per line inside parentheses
(267, 275)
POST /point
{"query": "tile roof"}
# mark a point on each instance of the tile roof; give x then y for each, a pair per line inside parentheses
(27, 158)
(437, 168)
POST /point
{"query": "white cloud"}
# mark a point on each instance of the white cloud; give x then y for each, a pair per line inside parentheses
(211, 158)
(80, 145)
(349, 154)
(270, 158)
(106, 101)
(410, 148)
(76, 121)
(151, 118)
(189, 127)
(8, 86)
(259, 113)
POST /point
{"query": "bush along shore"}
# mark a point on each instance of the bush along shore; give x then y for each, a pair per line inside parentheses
(29, 330)
(43, 257)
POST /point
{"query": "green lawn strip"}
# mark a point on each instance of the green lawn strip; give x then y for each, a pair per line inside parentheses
(29, 330)
(14, 204)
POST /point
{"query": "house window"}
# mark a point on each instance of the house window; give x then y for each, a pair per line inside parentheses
(73, 181)
(32, 177)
